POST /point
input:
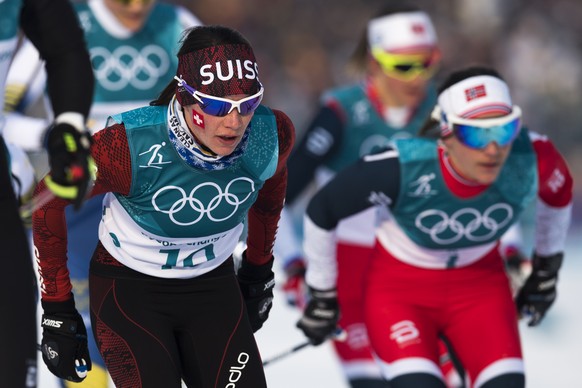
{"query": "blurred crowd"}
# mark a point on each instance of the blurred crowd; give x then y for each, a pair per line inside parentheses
(304, 45)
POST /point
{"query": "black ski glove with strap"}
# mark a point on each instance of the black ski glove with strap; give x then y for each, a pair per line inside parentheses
(72, 167)
(319, 321)
(256, 284)
(539, 291)
(64, 341)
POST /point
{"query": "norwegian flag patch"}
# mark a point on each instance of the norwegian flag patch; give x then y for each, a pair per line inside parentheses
(418, 28)
(475, 92)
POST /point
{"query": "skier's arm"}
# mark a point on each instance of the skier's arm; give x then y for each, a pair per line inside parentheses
(26, 79)
(372, 181)
(265, 212)
(319, 142)
(52, 26)
(111, 153)
(553, 214)
(25, 85)
(554, 204)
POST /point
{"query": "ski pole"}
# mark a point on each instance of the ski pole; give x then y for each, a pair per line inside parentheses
(339, 335)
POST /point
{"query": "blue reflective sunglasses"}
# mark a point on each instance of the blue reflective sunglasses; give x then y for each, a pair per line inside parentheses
(217, 106)
(478, 133)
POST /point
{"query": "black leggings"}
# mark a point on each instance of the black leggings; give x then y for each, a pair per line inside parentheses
(17, 290)
(153, 332)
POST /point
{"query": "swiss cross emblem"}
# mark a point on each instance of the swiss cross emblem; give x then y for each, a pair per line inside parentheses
(197, 119)
(475, 92)
(418, 28)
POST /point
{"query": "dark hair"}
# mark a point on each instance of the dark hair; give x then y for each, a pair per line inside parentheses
(358, 59)
(198, 38)
(431, 127)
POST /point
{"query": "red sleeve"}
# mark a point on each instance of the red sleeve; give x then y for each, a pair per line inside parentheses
(111, 154)
(336, 107)
(264, 215)
(555, 181)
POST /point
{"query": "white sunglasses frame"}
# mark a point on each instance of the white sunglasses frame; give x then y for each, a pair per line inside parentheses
(452, 119)
(233, 103)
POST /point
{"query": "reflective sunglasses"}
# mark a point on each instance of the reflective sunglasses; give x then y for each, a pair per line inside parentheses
(407, 67)
(218, 106)
(478, 133)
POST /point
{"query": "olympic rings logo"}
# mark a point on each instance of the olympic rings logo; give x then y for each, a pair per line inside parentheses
(197, 207)
(466, 222)
(373, 143)
(127, 66)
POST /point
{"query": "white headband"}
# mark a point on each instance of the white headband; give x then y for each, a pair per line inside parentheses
(475, 96)
(401, 31)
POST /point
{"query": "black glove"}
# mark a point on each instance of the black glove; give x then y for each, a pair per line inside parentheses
(72, 167)
(539, 291)
(319, 321)
(64, 341)
(256, 284)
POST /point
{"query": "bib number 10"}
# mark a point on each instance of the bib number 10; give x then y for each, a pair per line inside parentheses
(189, 261)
